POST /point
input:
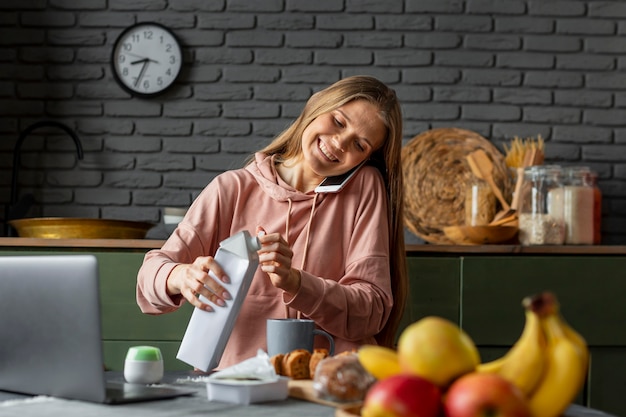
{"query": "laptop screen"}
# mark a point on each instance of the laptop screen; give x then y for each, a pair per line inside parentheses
(50, 326)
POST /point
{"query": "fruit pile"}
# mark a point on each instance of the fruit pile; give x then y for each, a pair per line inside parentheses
(437, 371)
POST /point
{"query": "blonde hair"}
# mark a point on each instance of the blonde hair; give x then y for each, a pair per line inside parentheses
(288, 145)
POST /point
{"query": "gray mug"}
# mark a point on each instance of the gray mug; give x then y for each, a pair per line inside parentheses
(285, 335)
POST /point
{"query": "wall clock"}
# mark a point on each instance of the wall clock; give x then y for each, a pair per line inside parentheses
(146, 59)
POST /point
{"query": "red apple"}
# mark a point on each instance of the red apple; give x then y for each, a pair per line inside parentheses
(480, 395)
(402, 396)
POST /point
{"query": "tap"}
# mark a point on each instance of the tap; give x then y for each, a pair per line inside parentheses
(14, 208)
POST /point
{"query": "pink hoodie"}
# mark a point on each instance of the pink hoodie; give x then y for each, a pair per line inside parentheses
(340, 243)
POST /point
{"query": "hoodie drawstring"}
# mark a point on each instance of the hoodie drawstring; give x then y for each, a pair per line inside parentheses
(306, 242)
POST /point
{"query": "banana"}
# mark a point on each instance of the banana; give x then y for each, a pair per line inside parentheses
(523, 364)
(565, 369)
(381, 362)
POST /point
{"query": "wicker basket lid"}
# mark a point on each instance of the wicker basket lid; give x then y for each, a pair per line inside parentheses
(436, 172)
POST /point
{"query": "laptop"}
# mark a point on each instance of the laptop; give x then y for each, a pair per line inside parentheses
(50, 332)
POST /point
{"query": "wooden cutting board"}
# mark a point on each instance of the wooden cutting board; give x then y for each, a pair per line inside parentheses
(302, 389)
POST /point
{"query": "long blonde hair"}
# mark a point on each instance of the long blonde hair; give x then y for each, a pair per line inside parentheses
(288, 145)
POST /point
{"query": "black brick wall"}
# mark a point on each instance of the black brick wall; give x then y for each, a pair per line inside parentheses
(502, 68)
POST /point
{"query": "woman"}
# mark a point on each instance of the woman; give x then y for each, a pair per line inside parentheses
(336, 258)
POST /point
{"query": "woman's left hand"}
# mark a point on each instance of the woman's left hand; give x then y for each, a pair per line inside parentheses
(275, 259)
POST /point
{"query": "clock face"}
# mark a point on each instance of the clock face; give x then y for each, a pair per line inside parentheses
(146, 59)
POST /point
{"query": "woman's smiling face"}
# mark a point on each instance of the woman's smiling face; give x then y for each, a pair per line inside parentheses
(339, 140)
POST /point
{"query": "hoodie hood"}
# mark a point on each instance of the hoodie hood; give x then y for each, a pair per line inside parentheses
(263, 169)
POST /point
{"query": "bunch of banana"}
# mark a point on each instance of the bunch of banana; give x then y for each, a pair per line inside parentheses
(549, 361)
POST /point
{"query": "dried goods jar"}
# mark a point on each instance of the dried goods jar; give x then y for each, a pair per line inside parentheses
(480, 203)
(579, 205)
(541, 206)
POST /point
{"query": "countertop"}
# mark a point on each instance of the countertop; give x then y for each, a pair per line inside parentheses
(141, 244)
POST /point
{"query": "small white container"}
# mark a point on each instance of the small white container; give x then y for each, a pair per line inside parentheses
(242, 391)
(143, 365)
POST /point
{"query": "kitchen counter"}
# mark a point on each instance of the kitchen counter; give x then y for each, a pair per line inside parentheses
(142, 244)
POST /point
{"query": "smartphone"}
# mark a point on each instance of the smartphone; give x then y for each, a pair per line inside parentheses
(336, 183)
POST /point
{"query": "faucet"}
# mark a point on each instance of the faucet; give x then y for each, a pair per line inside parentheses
(15, 209)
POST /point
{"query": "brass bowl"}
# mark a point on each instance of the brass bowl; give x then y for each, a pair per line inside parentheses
(480, 235)
(77, 228)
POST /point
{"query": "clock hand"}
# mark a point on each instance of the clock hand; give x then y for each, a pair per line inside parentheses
(143, 70)
(141, 61)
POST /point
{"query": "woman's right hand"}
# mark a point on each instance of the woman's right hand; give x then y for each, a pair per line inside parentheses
(193, 280)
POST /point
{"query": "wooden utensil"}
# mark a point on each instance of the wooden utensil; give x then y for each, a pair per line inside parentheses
(482, 167)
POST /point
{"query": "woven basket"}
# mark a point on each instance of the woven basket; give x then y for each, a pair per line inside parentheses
(436, 172)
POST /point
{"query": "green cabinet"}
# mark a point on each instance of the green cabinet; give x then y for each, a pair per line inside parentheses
(483, 295)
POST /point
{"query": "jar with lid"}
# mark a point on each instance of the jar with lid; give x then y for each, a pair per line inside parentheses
(579, 205)
(582, 206)
(541, 206)
(480, 202)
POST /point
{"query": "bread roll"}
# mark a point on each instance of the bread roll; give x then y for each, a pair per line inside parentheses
(342, 378)
(316, 357)
(295, 364)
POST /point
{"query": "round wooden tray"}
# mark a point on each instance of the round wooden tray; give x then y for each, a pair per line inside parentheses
(436, 172)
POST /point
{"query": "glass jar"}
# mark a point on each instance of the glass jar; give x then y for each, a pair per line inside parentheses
(541, 207)
(480, 202)
(579, 206)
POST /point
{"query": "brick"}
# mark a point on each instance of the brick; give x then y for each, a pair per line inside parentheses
(195, 181)
(606, 117)
(608, 9)
(71, 179)
(522, 96)
(461, 94)
(616, 153)
(129, 108)
(131, 144)
(100, 126)
(523, 24)
(221, 162)
(245, 145)
(473, 24)
(283, 56)
(191, 109)
(382, 40)
(557, 8)
(433, 40)
(174, 162)
(254, 38)
(132, 179)
(497, 6)
(255, 6)
(405, 22)
(552, 43)
(553, 115)
(582, 134)
(239, 74)
(313, 6)
(493, 42)
(343, 57)
(41, 55)
(47, 19)
(33, 91)
(251, 110)
(221, 92)
(220, 128)
(192, 145)
(224, 56)
(553, 79)
(195, 5)
(374, 6)
(429, 75)
(589, 99)
(345, 23)
(402, 58)
(431, 111)
(226, 21)
(585, 26)
(310, 75)
(75, 37)
(164, 127)
(137, 5)
(108, 162)
(436, 6)
(463, 59)
(286, 21)
(282, 92)
(523, 130)
(585, 62)
(105, 19)
(311, 39)
(102, 196)
(486, 112)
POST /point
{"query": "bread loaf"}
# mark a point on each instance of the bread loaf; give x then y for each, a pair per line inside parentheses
(316, 357)
(295, 364)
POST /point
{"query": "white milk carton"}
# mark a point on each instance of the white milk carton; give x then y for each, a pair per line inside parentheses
(208, 331)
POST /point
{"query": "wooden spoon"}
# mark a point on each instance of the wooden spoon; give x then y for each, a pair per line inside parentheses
(482, 167)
